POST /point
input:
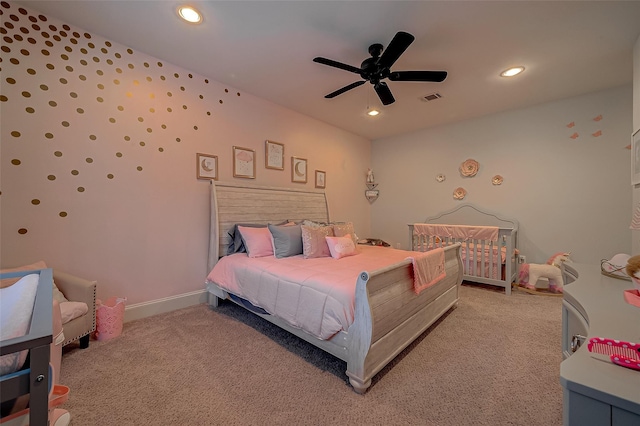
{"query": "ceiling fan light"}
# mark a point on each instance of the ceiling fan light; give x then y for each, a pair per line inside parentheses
(510, 72)
(190, 14)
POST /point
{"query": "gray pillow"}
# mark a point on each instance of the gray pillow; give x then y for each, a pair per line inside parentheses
(287, 240)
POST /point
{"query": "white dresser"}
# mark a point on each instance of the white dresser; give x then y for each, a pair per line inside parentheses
(595, 391)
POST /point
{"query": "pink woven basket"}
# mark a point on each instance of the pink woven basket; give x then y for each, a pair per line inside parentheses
(109, 317)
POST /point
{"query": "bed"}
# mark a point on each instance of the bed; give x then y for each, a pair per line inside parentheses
(489, 243)
(387, 314)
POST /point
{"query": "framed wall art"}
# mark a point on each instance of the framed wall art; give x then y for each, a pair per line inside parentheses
(298, 170)
(321, 179)
(635, 158)
(274, 155)
(244, 163)
(206, 166)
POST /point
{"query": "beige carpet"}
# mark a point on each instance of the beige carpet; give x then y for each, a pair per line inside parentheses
(494, 360)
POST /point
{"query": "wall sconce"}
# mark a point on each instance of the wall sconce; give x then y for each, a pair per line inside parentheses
(371, 193)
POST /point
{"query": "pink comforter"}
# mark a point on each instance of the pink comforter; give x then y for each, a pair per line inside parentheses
(315, 295)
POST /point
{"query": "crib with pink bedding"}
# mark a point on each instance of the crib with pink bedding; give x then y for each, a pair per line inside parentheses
(489, 243)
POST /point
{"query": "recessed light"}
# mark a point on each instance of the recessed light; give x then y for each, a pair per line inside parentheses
(189, 14)
(510, 72)
(373, 112)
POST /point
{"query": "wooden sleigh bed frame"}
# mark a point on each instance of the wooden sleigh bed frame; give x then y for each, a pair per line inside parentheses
(388, 313)
(487, 270)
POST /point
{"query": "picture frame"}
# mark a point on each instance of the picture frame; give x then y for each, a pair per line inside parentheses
(298, 170)
(244, 163)
(273, 155)
(635, 158)
(206, 166)
(321, 179)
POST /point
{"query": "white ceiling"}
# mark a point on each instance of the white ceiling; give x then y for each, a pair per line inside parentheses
(266, 48)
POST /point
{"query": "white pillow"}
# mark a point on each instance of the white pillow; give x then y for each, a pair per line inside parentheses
(341, 246)
(16, 309)
(72, 310)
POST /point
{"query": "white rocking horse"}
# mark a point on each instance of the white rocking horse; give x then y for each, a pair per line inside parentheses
(530, 272)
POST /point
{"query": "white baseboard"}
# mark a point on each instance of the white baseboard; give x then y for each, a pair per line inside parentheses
(167, 304)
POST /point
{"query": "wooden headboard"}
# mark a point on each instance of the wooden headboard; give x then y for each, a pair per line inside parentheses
(233, 203)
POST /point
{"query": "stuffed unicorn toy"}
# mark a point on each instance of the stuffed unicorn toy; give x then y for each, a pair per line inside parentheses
(530, 272)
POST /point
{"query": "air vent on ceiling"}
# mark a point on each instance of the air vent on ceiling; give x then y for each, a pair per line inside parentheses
(431, 97)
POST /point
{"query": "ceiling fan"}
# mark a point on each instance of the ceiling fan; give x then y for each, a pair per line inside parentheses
(377, 68)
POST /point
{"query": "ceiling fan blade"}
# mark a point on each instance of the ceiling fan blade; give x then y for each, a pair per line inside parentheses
(434, 76)
(344, 89)
(384, 93)
(336, 64)
(396, 47)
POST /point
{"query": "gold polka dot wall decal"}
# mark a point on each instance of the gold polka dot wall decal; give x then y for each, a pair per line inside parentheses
(50, 66)
(206, 80)
(10, 80)
(15, 134)
(146, 64)
(30, 110)
(100, 86)
(82, 77)
(169, 109)
(152, 96)
(87, 35)
(182, 88)
(161, 149)
(112, 120)
(45, 34)
(76, 34)
(89, 160)
(130, 66)
(164, 126)
(63, 214)
(35, 26)
(35, 202)
(6, 49)
(238, 93)
(44, 87)
(117, 55)
(142, 143)
(96, 59)
(45, 52)
(25, 52)
(22, 231)
(140, 119)
(130, 52)
(7, 39)
(73, 94)
(152, 110)
(31, 40)
(53, 103)
(120, 108)
(149, 79)
(99, 72)
(48, 43)
(176, 75)
(149, 130)
(53, 28)
(91, 45)
(3, 98)
(109, 176)
(127, 138)
(75, 172)
(69, 68)
(93, 137)
(80, 110)
(208, 112)
(116, 82)
(139, 168)
(118, 154)
(63, 33)
(14, 61)
(162, 77)
(57, 154)
(129, 95)
(66, 27)
(169, 94)
(195, 127)
(178, 139)
(65, 124)
(184, 107)
(201, 97)
(51, 177)
(220, 101)
(16, 162)
(103, 50)
(80, 189)
(190, 75)
(26, 94)
(48, 135)
(84, 51)
(64, 57)
(99, 99)
(63, 80)
(136, 83)
(18, 37)
(118, 70)
(73, 41)
(226, 90)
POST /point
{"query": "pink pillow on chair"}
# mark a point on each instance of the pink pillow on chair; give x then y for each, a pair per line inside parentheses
(257, 241)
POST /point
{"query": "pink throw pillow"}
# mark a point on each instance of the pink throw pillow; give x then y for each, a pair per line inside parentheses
(257, 241)
(314, 243)
(341, 246)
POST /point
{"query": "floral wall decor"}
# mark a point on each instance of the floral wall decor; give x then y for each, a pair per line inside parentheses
(459, 193)
(469, 168)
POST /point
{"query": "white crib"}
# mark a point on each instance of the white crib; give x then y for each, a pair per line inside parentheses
(491, 261)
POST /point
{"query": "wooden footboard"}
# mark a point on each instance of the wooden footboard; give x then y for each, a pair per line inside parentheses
(389, 315)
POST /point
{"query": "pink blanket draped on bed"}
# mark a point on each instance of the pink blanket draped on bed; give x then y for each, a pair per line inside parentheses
(428, 269)
(316, 295)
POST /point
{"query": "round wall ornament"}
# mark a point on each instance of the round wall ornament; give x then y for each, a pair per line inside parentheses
(469, 168)
(497, 180)
(440, 177)
(459, 193)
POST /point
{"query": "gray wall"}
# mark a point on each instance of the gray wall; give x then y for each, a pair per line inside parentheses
(568, 194)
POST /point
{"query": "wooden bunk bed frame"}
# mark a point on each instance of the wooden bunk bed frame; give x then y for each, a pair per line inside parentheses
(388, 313)
(469, 215)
